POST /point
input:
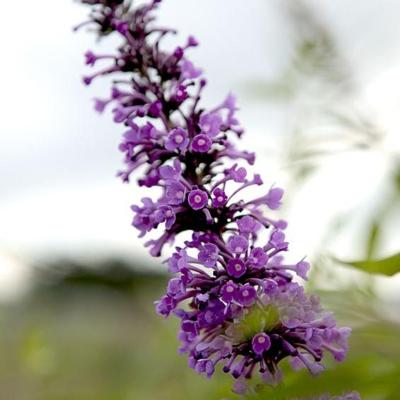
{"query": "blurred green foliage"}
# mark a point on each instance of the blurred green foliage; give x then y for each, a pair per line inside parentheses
(82, 338)
(385, 266)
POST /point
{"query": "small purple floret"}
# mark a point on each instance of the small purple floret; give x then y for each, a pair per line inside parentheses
(201, 143)
(175, 192)
(260, 343)
(197, 199)
(208, 255)
(247, 295)
(238, 244)
(236, 267)
(177, 139)
(219, 198)
(229, 291)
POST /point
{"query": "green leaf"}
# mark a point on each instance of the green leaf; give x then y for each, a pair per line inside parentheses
(396, 179)
(385, 266)
(372, 240)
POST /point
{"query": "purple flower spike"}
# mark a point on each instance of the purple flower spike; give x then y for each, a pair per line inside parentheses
(260, 343)
(197, 199)
(201, 143)
(231, 286)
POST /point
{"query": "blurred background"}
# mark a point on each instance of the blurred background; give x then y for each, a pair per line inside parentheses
(318, 85)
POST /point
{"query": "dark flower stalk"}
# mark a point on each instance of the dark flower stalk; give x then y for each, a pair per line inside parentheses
(232, 290)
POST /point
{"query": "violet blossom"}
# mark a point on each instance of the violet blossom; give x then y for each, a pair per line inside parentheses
(231, 288)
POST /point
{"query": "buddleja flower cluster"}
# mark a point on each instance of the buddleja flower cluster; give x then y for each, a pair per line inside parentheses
(232, 289)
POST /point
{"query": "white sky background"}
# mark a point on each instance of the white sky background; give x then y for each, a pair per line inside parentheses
(58, 192)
